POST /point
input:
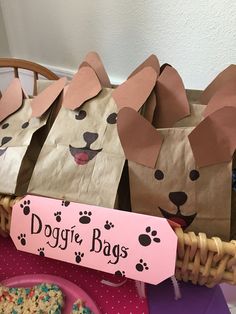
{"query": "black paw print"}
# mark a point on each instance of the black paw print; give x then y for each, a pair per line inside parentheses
(85, 217)
(65, 203)
(146, 239)
(25, 206)
(22, 239)
(78, 257)
(141, 266)
(120, 273)
(41, 251)
(108, 225)
(58, 216)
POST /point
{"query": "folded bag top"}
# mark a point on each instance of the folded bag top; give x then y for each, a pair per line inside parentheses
(18, 125)
(82, 152)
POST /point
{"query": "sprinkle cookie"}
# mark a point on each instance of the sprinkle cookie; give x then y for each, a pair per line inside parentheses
(40, 299)
(80, 308)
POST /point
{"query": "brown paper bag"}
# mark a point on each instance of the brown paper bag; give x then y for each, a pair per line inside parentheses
(82, 159)
(24, 124)
(184, 173)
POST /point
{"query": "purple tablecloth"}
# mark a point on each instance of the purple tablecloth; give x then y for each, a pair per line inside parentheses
(195, 299)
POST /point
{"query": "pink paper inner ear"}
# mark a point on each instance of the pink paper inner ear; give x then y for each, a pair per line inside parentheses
(41, 103)
(151, 61)
(229, 74)
(11, 99)
(140, 140)
(96, 64)
(225, 96)
(84, 86)
(173, 224)
(172, 102)
(134, 92)
(213, 141)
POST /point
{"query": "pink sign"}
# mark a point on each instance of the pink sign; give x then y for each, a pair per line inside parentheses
(132, 245)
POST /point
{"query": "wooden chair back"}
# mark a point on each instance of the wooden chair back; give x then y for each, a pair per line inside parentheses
(36, 68)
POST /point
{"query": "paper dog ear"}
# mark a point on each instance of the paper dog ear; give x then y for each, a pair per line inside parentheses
(151, 61)
(42, 102)
(11, 99)
(172, 102)
(84, 86)
(213, 141)
(150, 107)
(94, 61)
(164, 65)
(150, 104)
(225, 96)
(229, 74)
(135, 91)
(140, 140)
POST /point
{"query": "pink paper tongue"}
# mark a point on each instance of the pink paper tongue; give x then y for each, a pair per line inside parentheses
(81, 158)
(179, 221)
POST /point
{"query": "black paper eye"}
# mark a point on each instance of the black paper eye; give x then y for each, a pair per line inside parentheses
(159, 175)
(194, 175)
(5, 125)
(25, 125)
(111, 119)
(80, 115)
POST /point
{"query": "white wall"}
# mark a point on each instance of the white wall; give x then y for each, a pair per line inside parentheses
(4, 48)
(197, 37)
(4, 52)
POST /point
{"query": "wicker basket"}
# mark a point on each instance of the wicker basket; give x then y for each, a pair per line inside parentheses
(6, 204)
(205, 261)
(199, 259)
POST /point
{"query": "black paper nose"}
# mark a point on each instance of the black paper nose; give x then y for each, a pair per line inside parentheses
(178, 198)
(90, 137)
(5, 140)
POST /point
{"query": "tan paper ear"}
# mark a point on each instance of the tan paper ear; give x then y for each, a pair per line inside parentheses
(95, 62)
(150, 104)
(140, 140)
(155, 113)
(225, 96)
(84, 64)
(84, 86)
(11, 99)
(172, 102)
(134, 92)
(164, 65)
(42, 102)
(229, 74)
(213, 141)
(150, 107)
(151, 61)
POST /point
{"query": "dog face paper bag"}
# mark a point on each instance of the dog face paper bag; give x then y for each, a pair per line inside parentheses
(82, 159)
(184, 173)
(18, 131)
